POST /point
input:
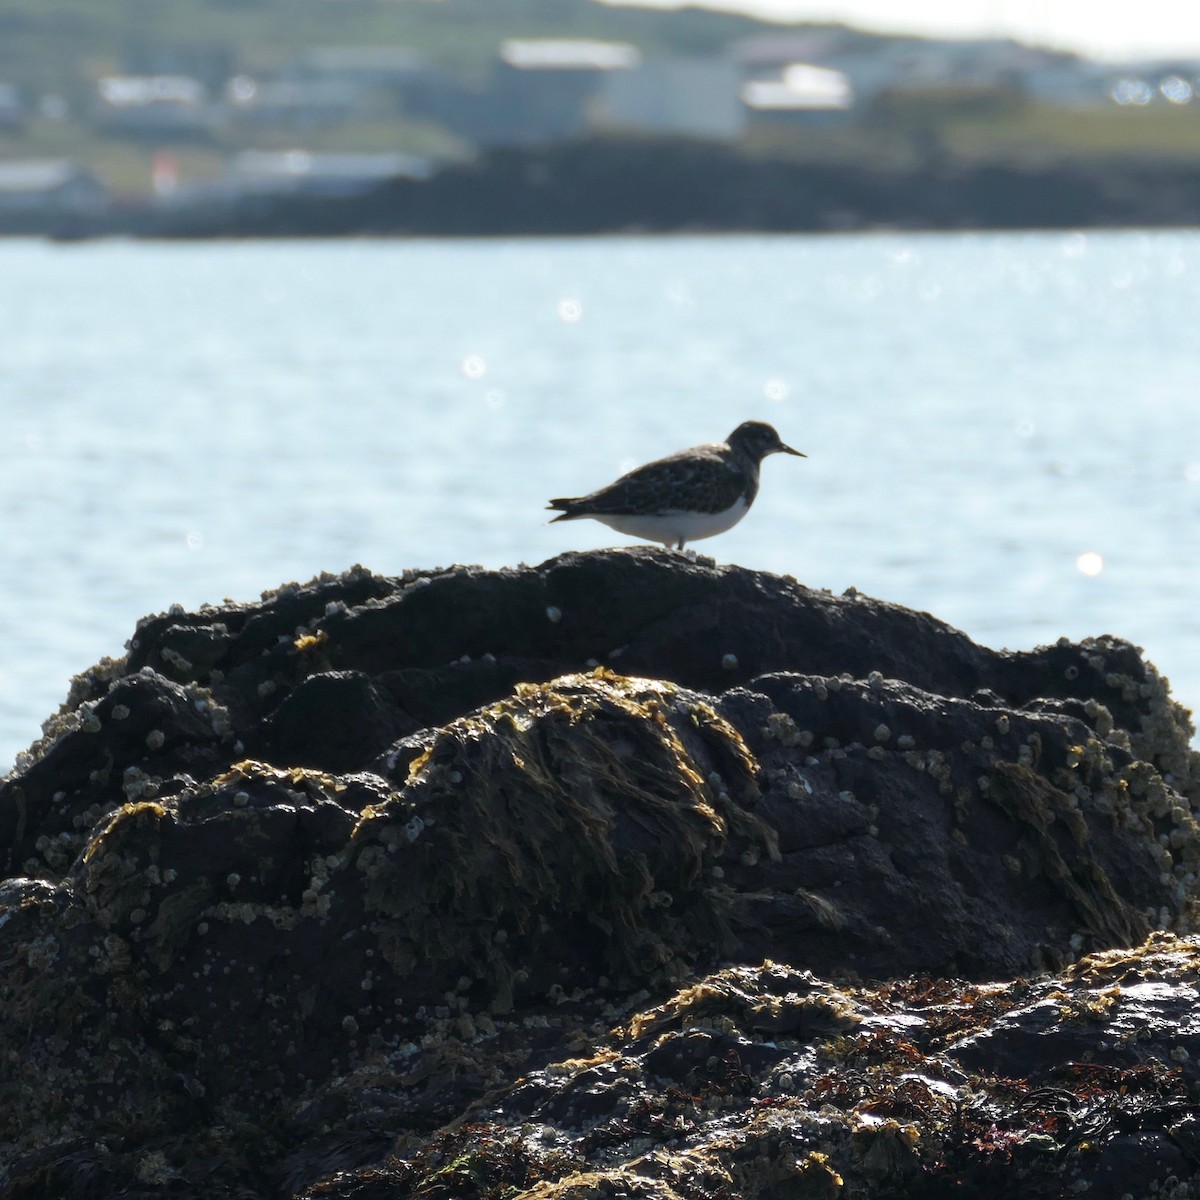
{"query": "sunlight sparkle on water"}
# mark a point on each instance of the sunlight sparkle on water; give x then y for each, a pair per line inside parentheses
(994, 369)
(570, 310)
(474, 366)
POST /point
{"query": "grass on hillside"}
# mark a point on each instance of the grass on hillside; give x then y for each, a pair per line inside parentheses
(1021, 134)
(1046, 134)
(51, 47)
(124, 165)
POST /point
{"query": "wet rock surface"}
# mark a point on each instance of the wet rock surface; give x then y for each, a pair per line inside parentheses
(622, 875)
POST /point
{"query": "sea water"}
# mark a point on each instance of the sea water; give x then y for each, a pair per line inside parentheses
(1002, 429)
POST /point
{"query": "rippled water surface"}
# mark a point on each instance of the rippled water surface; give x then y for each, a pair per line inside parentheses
(185, 423)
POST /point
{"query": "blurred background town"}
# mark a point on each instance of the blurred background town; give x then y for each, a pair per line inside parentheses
(326, 116)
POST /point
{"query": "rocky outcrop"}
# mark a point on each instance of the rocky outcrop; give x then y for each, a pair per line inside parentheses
(472, 883)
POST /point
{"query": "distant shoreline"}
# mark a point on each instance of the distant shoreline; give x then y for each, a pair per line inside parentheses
(629, 187)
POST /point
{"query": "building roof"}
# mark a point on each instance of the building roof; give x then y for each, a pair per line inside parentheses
(568, 54)
(802, 88)
(135, 91)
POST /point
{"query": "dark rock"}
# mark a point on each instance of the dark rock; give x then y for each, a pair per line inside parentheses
(333, 721)
(770, 1082)
(327, 894)
(137, 728)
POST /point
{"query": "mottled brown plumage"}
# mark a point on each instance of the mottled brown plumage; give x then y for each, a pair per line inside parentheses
(693, 494)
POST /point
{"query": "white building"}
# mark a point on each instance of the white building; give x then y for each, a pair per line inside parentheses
(542, 89)
(567, 54)
(801, 92)
(688, 97)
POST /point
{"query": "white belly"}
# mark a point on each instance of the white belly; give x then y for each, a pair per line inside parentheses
(672, 528)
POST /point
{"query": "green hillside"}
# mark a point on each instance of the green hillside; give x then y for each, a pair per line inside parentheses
(59, 46)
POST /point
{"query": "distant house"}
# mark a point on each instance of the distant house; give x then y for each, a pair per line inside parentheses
(42, 193)
(541, 88)
(568, 54)
(877, 67)
(153, 105)
(806, 78)
(802, 94)
(688, 97)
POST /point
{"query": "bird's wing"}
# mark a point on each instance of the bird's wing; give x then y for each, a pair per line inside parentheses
(701, 482)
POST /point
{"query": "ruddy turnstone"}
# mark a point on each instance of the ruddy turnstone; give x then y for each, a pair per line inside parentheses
(687, 496)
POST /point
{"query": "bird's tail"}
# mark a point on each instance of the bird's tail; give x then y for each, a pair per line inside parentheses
(566, 509)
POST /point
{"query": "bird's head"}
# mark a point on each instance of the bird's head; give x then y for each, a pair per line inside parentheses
(757, 439)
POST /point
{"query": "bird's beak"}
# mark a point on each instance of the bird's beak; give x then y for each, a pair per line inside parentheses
(789, 450)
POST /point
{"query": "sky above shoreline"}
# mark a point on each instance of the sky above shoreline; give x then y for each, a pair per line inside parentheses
(1148, 29)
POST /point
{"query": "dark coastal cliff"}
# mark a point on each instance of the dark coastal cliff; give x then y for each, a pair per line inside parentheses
(621, 875)
(656, 185)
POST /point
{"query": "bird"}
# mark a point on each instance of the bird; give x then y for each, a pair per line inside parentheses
(684, 497)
